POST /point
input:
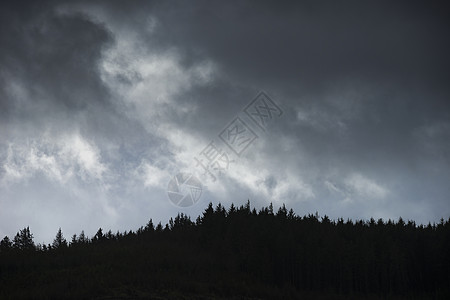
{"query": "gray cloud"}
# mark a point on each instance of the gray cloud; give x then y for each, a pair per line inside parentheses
(101, 103)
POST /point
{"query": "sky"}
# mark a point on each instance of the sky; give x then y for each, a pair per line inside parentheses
(108, 107)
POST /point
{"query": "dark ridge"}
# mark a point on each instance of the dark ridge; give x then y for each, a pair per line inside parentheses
(235, 253)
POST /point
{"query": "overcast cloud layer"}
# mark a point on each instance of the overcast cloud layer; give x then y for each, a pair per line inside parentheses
(102, 103)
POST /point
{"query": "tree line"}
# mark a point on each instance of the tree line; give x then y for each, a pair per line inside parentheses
(235, 252)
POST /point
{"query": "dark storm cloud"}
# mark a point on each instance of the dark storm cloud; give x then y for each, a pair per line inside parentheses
(368, 77)
(389, 60)
(313, 41)
(54, 57)
(60, 129)
(50, 72)
(393, 54)
(56, 53)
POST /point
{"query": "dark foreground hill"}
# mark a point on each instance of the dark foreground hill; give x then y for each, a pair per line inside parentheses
(237, 253)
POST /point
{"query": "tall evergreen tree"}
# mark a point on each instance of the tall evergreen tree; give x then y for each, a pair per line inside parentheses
(24, 240)
(5, 244)
(59, 241)
(82, 239)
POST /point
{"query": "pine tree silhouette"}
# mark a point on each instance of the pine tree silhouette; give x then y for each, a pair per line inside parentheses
(236, 253)
(24, 240)
(5, 244)
(59, 241)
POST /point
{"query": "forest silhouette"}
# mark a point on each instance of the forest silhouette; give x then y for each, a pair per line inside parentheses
(235, 253)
